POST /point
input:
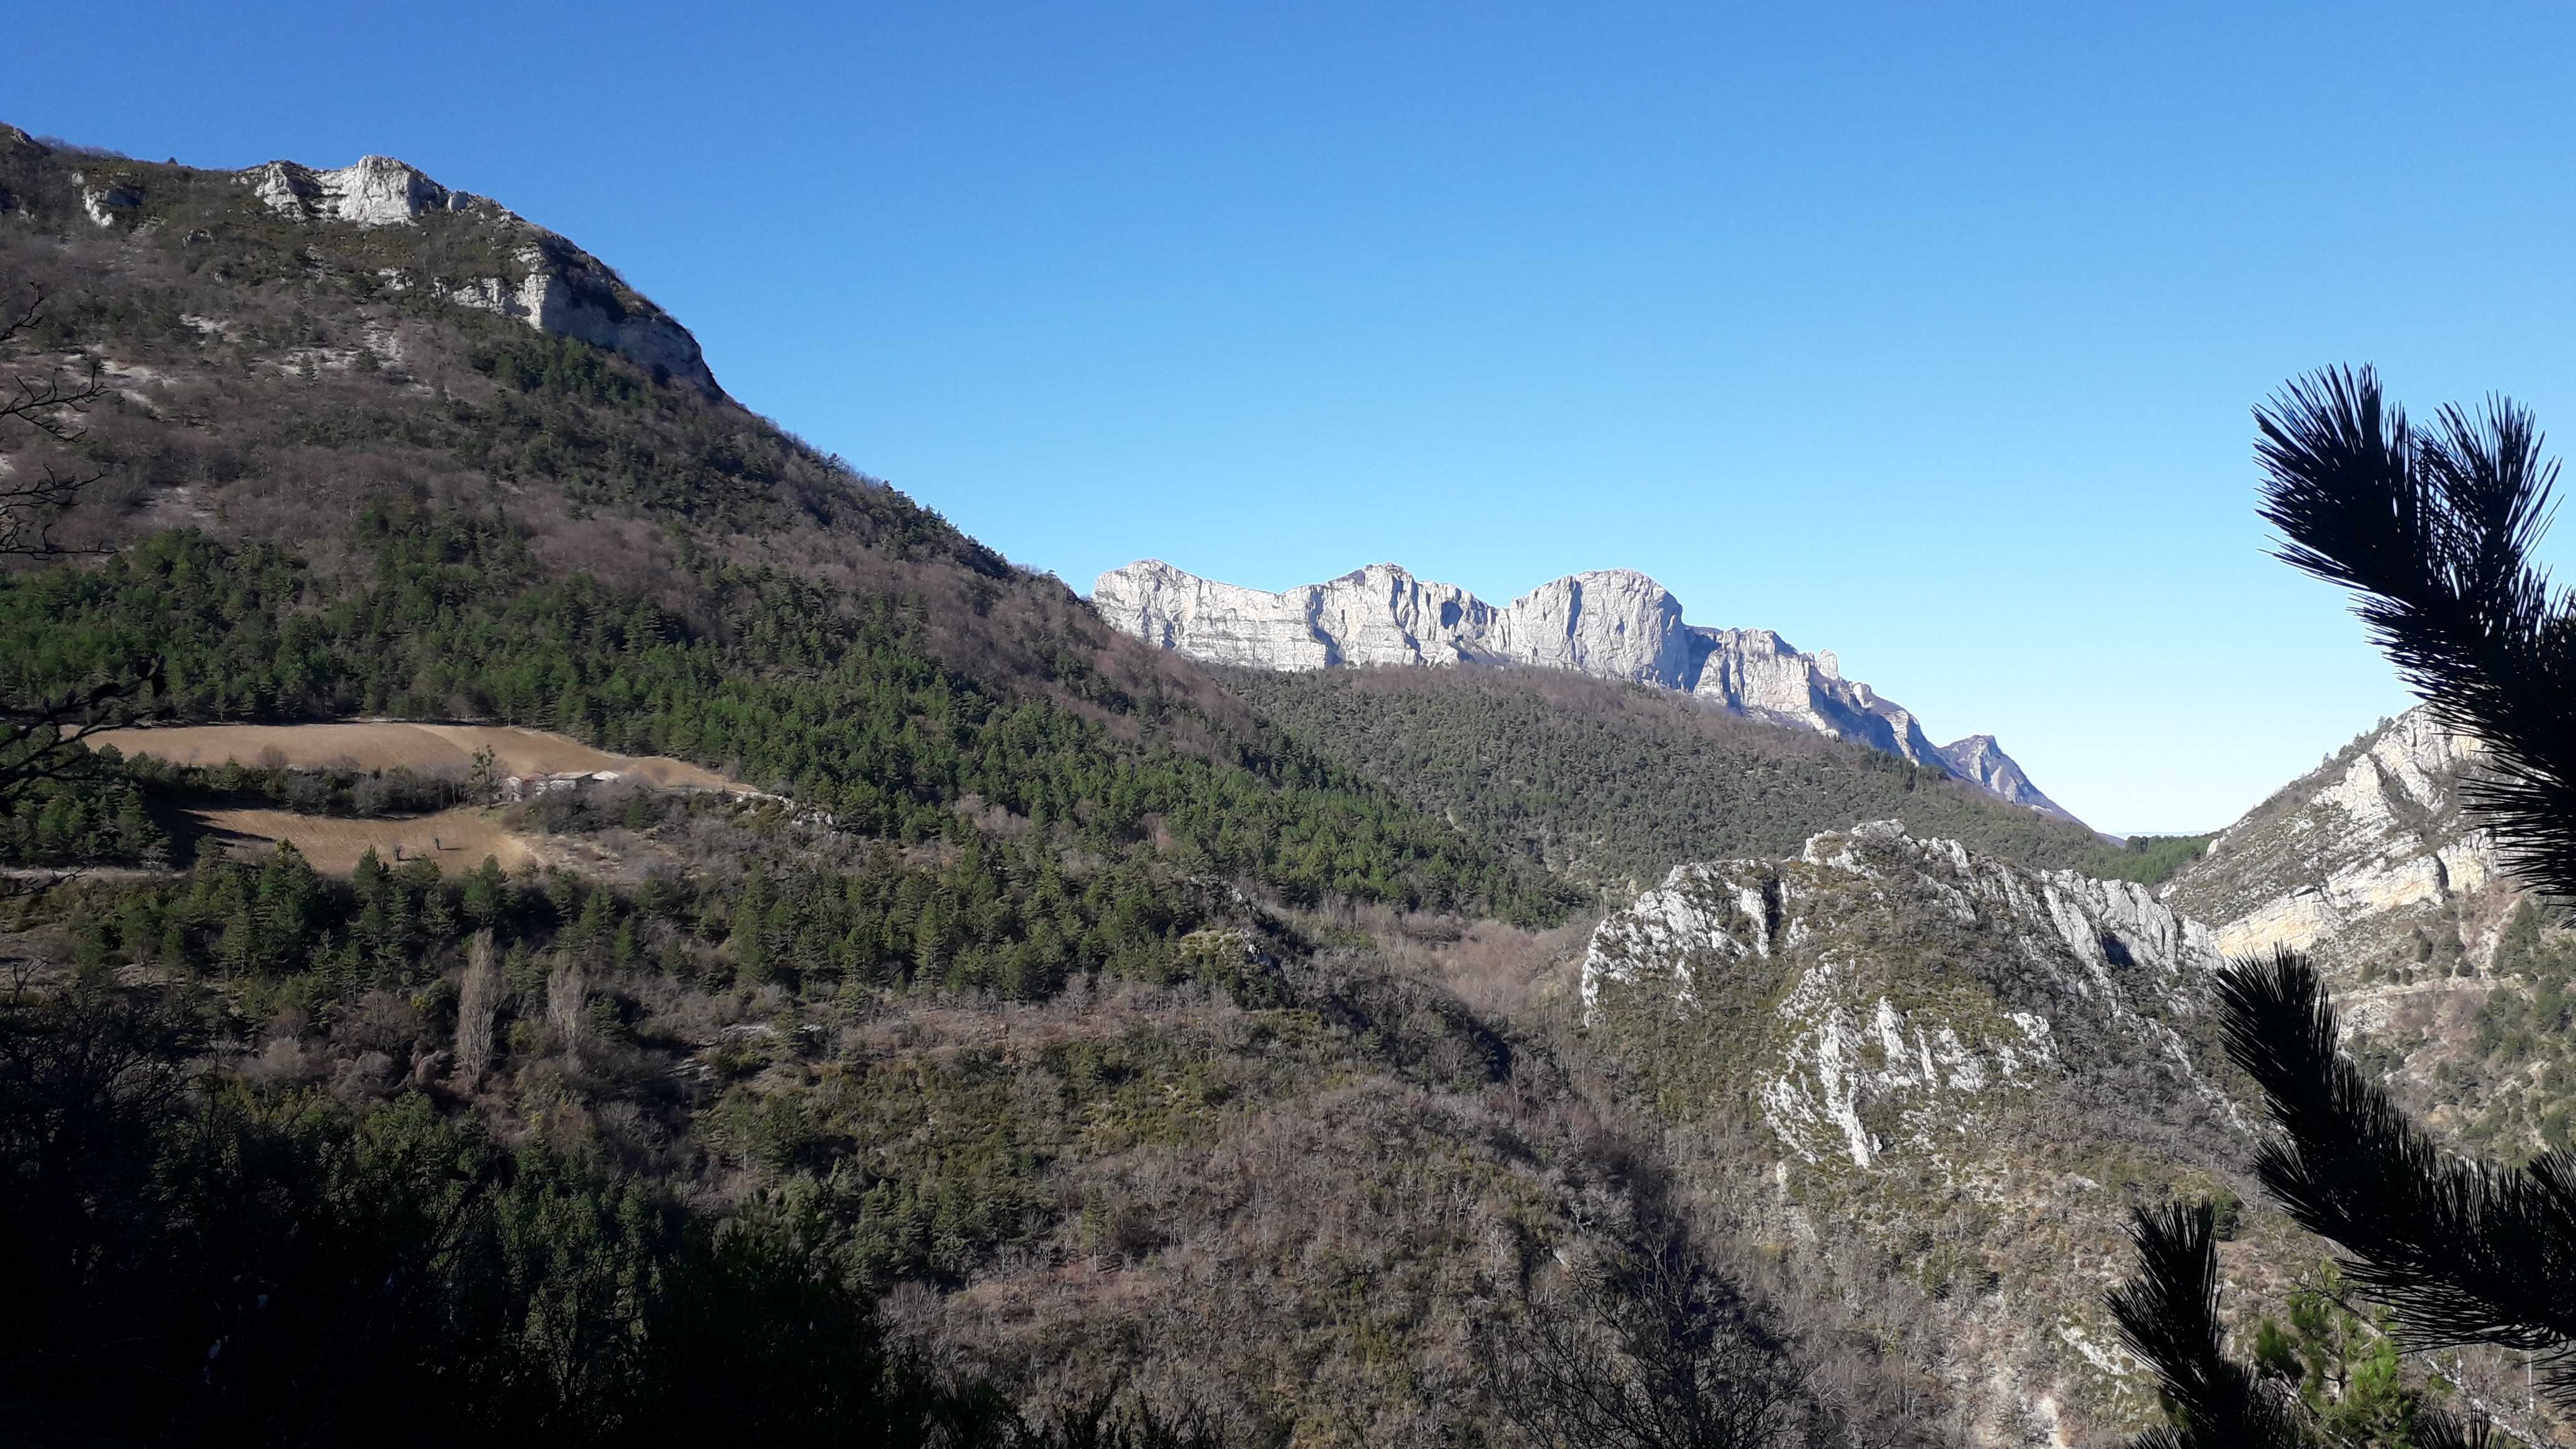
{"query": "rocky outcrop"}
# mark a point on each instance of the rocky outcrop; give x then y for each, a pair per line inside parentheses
(1612, 624)
(105, 204)
(1980, 760)
(2061, 958)
(377, 191)
(413, 232)
(1969, 1070)
(540, 279)
(2357, 858)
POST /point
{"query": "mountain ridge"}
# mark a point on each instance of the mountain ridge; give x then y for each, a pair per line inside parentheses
(484, 255)
(1609, 623)
(998, 1011)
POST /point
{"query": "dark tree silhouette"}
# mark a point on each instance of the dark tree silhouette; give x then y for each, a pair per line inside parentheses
(2433, 529)
(46, 405)
(40, 737)
(2168, 1315)
(2466, 1252)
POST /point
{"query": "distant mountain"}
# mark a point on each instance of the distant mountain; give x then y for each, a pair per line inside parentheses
(1611, 624)
(1981, 762)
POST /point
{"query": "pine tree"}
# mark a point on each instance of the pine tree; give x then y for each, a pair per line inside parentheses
(2433, 529)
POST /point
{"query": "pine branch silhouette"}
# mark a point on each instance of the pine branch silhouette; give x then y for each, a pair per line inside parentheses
(2434, 530)
(2464, 1251)
(2168, 1315)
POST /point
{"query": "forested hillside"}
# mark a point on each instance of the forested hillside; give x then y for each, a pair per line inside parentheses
(342, 501)
(1052, 998)
(1617, 784)
(1065, 1045)
(760, 1050)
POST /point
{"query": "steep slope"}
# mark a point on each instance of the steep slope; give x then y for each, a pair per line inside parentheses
(2456, 980)
(1613, 624)
(1967, 1070)
(2350, 860)
(373, 446)
(463, 249)
(1615, 784)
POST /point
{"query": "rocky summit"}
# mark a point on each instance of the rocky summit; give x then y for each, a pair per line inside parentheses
(1611, 623)
(479, 254)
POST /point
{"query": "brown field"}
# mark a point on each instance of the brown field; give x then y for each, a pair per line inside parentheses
(457, 839)
(385, 744)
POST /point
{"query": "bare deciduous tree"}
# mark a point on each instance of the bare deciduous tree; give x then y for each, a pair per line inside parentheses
(478, 1000)
(40, 736)
(46, 405)
(1647, 1349)
(567, 993)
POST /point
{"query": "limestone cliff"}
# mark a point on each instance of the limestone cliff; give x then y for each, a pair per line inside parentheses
(2351, 861)
(545, 281)
(2452, 982)
(1969, 1070)
(465, 249)
(2054, 957)
(1613, 624)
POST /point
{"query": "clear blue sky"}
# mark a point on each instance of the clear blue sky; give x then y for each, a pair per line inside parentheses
(1924, 334)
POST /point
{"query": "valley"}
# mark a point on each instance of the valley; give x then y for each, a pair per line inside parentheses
(611, 923)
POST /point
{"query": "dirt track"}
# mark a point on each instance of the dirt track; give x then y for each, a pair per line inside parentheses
(384, 744)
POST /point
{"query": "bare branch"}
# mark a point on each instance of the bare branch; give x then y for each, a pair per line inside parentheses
(44, 741)
(50, 406)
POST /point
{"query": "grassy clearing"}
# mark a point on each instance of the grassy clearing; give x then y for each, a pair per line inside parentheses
(388, 744)
(457, 839)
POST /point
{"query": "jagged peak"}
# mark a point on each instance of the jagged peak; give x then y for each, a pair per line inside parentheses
(1610, 623)
(1980, 760)
(1632, 577)
(372, 191)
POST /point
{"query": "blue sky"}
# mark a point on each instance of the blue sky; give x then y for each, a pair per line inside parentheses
(1921, 334)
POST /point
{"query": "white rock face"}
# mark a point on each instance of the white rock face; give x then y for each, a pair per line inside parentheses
(102, 203)
(1612, 624)
(1861, 1051)
(1920, 1029)
(377, 191)
(547, 282)
(2352, 857)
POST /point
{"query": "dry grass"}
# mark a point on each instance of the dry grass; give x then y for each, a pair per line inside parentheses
(385, 744)
(457, 839)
